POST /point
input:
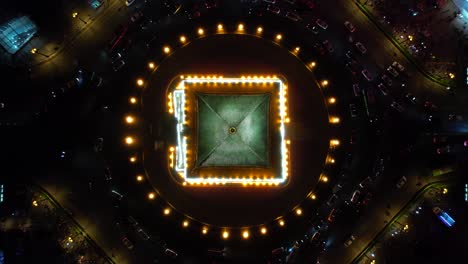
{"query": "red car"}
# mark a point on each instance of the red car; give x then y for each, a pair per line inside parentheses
(273, 9)
(127, 243)
(350, 26)
(332, 215)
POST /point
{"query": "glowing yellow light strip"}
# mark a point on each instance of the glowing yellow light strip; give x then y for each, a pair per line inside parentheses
(178, 103)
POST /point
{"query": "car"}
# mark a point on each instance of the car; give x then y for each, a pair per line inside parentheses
(308, 3)
(383, 89)
(465, 143)
(352, 67)
(115, 57)
(366, 182)
(436, 210)
(428, 105)
(98, 144)
(277, 251)
(367, 75)
(170, 253)
(337, 188)
(387, 80)
(350, 55)
(355, 196)
(331, 217)
(214, 252)
(328, 45)
(350, 26)
(401, 182)
(107, 173)
(315, 238)
(367, 198)
(361, 47)
(444, 150)
(392, 71)
(397, 107)
(312, 28)
(270, 1)
(292, 2)
(210, 4)
(129, 2)
(319, 47)
(356, 90)
(193, 13)
(132, 221)
(116, 195)
(137, 16)
(352, 110)
(397, 65)
(332, 200)
(128, 244)
(437, 139)
(411, 98)
(349, 241)
(143, 235)
(321, 23)
(293, 16)
(273, 9)
(118, 65)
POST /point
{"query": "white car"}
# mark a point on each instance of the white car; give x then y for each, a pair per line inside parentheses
(397, 65)
(361, 47)
(118, 65)
(321, 23)
(367, 75)
(392, 71)
(293, 16)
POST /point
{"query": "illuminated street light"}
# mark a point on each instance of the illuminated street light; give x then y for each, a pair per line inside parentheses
(451, 75)
(313, 196)
(240, 27)
(281, 222)
(129, 119)
(279, 37)
(263, 230)
(167, 211)
(151, 65)
(331, 100)
(140, 82)
(324, 82)
(151, 195)
(297, 49)
(323, 178)
(139, 178)
(35, 203)
(185, 223)
(201, 31)
(298, 211)
(444, 190)
(225, 234)
(334, 120)
(312, 64)
(35, 51)
(220, 27)
(334, 142)
(132, 100)
(166, 49)
(183, 39)
(129, 140)
(133, 159)
(75, 15)
(259, 30)
(245, 234)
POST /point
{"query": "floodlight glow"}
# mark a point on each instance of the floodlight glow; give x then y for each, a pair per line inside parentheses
(166, 49)
(201, 31)
(297, 49)
(298, 211)
(220, 27)
(167, 211)
(139, 178)
(324, 82)
(151, 195)
(259, 30)
(240, 27)
(313, 196)
(204, 230)
(151, 65)
(129, 119)
(331, 100)
(225, 235)
(140, 82)
(334, 120)
(263, 230)
(185, 223)
(245, 234)
(312, 64)
(281, 222)
(183, 39)
(279, 37)
(177, 107)
(334, 142)
(133, 100)
(323, 178)
(129, 140)
(133, 159)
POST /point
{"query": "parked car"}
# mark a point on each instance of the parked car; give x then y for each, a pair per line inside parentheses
(366, 182)
(367, 75)
(356, 90)
(273, 9)
(312, 28)
(392, 71)
(355, 196)
(98, 144)
(349, 241)
(352, 110)
(321, 23)
(332, 200)
(361, 47)
(397, 65)
(437, 139)
(118, 65)
(137, 16)
(328, 45)
(411, 98)
(401, 182)
(293, 16)
(128, 244)
(143, 235)
(444, 150)
(210, 4)
(387, 80)
(132, 221)
(350, 55)
(397, 107)
(107, 174)
(350, 26)
(170, 253)
(383, 89)
(332, 215)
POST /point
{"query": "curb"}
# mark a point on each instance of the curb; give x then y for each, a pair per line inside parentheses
(416, 196)
(405, 53)
(81, 229)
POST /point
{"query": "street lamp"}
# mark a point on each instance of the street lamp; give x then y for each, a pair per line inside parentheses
(35, 51)
(75, 15)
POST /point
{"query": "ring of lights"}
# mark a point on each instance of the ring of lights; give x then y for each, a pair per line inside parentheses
(178, 197)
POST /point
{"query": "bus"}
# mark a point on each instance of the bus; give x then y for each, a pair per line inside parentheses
(445, 218)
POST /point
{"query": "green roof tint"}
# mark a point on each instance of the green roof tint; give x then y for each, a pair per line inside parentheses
(233, 130)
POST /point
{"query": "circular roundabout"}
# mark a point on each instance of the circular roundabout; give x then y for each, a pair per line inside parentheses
(235, 132)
